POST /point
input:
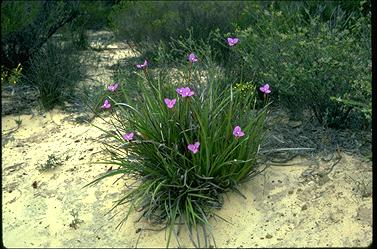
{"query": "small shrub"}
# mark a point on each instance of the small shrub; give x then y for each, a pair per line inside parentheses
(358, 106)
(184, 146)
(76, 221)
(11, 77)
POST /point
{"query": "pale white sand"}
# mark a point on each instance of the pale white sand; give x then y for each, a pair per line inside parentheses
(273, 215)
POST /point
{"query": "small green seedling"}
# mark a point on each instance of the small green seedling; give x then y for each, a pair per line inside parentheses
(51, 163)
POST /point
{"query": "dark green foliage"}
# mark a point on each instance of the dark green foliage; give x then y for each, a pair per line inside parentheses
(17, 15)
(27, 25)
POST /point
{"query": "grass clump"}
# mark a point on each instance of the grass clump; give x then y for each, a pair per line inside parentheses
(55, 71)
(184, 145)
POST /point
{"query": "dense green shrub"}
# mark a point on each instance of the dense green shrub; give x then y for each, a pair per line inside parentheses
(27, 25)
(308, 63)
(156, 143)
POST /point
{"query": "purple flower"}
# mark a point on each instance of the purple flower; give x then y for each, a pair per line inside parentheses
(194, 148)
(128, 136)
(106, 105)
(265, 89)
(232, 41)
(237, 132)
(142, 65)
(170, 102)
(192, 58)
(113, 87)
(185, 91)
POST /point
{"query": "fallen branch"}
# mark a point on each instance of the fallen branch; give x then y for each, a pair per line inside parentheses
(285, 149)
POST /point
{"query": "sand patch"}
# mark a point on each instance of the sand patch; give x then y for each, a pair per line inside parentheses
(284, 206)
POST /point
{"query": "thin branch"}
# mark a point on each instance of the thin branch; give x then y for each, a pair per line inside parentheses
(286, 149)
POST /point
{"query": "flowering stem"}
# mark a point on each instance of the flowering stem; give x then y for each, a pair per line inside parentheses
(265, 96)
(145, 72)
(190, 66)
(241, 72)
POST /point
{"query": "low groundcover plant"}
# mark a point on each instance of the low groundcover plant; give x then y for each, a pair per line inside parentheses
(184, 146)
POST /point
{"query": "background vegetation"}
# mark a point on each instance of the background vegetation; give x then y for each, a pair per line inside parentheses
(315, 54)
(331, 82)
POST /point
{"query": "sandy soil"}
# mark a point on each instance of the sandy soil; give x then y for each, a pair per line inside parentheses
(291, 205)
